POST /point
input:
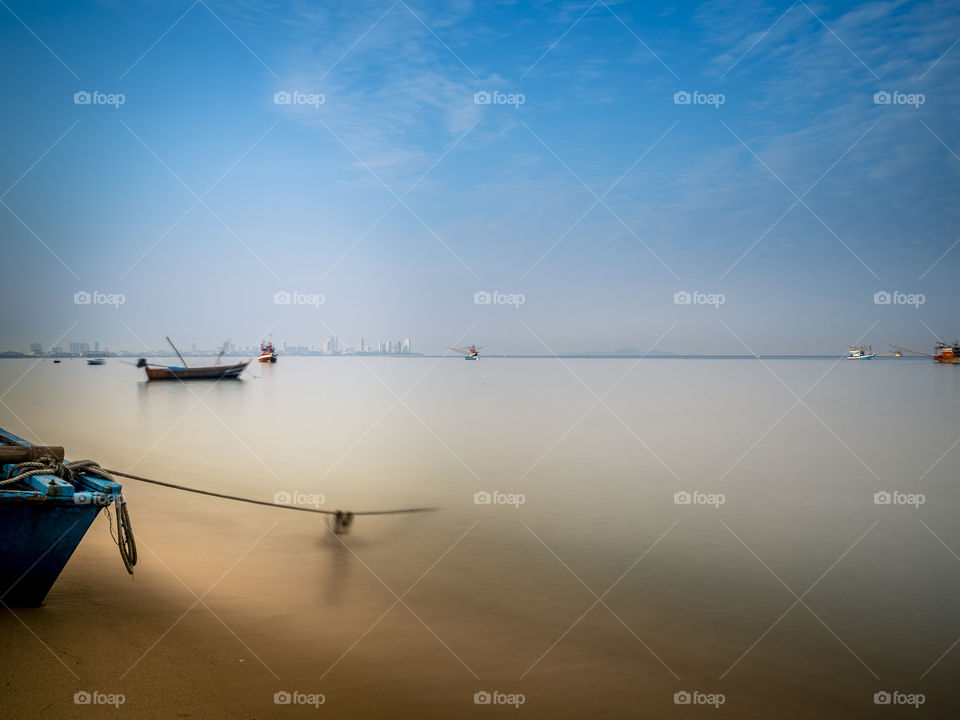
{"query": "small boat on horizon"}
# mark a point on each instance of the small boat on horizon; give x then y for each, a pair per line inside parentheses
(267, 353)
(860, 352)
(947, 353)
(96, 361)
(469, 353)
(175, 372)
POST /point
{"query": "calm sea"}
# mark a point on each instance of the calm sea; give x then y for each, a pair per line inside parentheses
(613, 537)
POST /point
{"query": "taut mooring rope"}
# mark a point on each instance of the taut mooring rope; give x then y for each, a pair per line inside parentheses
(264, 502)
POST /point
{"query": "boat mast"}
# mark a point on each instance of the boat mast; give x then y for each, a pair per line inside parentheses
(176, 351)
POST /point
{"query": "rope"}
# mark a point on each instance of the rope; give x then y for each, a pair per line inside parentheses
(70, 472)
(264, 502)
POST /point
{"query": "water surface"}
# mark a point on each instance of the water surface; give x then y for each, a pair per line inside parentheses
(798, 596)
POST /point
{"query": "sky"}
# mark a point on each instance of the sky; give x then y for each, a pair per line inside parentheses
(790, 170)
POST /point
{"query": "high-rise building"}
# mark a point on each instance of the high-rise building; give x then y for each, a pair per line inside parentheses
(96, 346)
(36, 348)
(361, 345)
(406, 346)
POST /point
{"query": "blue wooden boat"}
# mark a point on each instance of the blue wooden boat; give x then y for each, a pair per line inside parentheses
(43, 518)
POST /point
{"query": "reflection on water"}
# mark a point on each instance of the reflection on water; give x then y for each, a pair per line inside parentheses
(598, 593)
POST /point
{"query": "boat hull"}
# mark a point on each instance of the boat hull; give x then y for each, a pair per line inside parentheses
(42, 520)
(38, 537)
(272, 358)
(217, 372)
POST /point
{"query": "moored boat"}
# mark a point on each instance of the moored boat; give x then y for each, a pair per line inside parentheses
(173, 372)
(470, 353)
(44, 516)
(860, 352)
(947, 353)
(267, 353)
(182, 372)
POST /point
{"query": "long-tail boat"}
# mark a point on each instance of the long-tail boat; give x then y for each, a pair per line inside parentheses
(175, 372)
(43, 517)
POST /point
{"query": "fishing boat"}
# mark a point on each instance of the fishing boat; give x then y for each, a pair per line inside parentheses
(946, 353)
(177, 372)
(860, 352)
(43, 517)
(267, 353)
(95, 361)
(469, 353)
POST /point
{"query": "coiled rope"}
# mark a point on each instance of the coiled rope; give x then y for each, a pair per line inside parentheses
(70, 471)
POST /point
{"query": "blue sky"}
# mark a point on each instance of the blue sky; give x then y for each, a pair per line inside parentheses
(399, 197)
